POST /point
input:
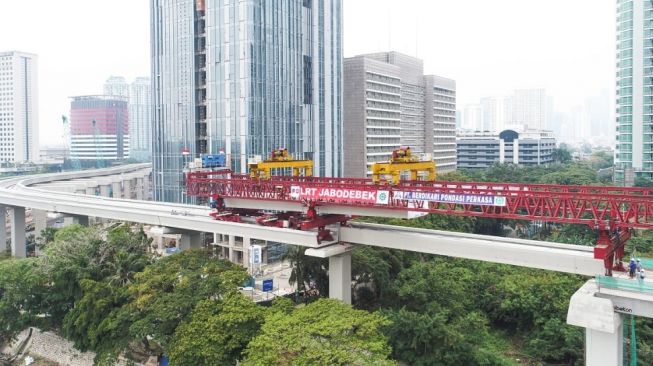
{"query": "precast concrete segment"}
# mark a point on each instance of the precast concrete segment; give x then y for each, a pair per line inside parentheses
(526, 253)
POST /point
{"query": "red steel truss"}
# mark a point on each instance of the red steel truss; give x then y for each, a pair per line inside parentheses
(611, 210)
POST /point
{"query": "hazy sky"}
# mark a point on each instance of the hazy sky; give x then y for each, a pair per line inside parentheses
(488, 47)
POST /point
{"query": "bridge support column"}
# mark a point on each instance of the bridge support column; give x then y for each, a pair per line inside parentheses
(18, 243)
(105, 190)
(139, 188)
(3, 229)
(603, 326)
(146, 187)
(127, 188)
(40, 219)
(116, 189)
(190, 240)
(603, 348)
(75, 219)
(340, 277)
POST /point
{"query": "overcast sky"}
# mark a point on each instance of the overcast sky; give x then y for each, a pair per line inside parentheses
(488, 47)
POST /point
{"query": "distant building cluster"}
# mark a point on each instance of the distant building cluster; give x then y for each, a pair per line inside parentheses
(388, 103)
(19, 106)
(139, 97)
(478, 149)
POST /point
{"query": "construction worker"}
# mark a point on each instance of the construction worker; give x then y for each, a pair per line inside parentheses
(632, 267)
(638, 265)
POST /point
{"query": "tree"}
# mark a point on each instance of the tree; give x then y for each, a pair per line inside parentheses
(84, 323)
(78, 253)
(21, 295)
(166, 292)
(325, 332)
(216, 332)
(561, 154)
(306, 269)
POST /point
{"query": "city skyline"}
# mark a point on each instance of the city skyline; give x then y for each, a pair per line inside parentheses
(516, 53)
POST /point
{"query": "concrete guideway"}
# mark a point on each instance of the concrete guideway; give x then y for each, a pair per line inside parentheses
(568, 258)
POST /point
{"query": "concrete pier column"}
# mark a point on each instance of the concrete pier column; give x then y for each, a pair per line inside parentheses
(105, 190)
(116, 188)
(3, 229)
(139, 189)
(232, 244)
(40, 219)
(340, 277)
(127, 188)
(603, 348)
(75, 219)
(603, 326)
(190, 240)
(247, 252)
(18, 247)
(146, 187)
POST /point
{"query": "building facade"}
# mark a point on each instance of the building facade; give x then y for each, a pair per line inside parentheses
(634, 119)
(529, 108)
(245, 77)
(139, 96)
(140, 119)
(116, 86)
(481, 149)
(19, 119)
(389, 103)
(99, 128)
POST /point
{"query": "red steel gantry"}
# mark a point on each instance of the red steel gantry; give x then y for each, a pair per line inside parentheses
(613, 211)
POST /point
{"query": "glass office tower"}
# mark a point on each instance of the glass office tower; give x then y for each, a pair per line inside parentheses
(244, 77)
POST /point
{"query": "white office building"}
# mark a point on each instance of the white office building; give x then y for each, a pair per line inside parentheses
(140, 119)
(19, 120)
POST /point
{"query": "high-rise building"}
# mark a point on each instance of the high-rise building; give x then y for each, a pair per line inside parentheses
(634, 104)
(139, 96)
(472, 118)
(389, 102)
(116, 86)
(19, 101)
(529, 108)
(140, 119)
(244, 77)
(99, 128)
(496, 113)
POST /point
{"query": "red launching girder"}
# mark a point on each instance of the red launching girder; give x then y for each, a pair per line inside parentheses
(600, 207)
(611, 210)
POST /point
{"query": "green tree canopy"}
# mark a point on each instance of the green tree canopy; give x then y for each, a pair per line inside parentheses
(325, 332)
(216, 332)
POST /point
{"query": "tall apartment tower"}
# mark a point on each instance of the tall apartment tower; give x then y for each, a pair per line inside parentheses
(244, 77)
(19, 105)
(116, 86)
(140, 119)
(634, 119)
(389, 102)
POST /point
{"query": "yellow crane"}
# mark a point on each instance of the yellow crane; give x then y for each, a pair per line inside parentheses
(403, 160)
(280, 159)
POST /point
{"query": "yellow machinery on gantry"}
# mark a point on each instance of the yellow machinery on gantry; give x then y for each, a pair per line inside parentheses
(280, 159)
(403, 160)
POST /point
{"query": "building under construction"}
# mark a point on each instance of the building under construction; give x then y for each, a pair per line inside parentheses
(99, 128)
